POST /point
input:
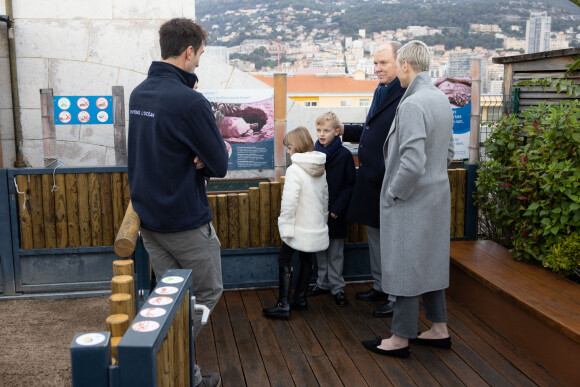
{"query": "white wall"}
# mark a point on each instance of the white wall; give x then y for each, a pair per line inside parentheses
(83, 47)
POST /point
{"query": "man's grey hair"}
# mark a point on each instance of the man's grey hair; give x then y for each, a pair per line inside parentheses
(393, 45)
(416, 53)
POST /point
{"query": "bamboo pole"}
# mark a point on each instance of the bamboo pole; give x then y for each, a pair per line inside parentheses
(24, 212)
(84, 209)
(106, 209)
(48, 212)
(117, 201)
(265, 214)
(95, 210)
(212, 200)
(244, 220)
(72, 209)
(275, 198)
(254, 196)
(233, 221)
(128, 232)
(460, 181)
(222, 231)
(117, 324)
(60, 212)
(122, 303)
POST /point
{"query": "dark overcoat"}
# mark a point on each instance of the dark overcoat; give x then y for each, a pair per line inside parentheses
(364, 203)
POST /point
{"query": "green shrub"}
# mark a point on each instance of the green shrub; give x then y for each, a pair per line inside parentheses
(529, 189)
(564, 257)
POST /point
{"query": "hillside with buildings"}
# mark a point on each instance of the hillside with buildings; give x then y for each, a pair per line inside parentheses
(340, 36)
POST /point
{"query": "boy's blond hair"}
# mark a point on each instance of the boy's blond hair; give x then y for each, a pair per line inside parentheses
(328, 116)
(300, 140)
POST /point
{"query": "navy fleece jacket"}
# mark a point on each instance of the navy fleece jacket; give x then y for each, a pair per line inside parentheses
(169, 125)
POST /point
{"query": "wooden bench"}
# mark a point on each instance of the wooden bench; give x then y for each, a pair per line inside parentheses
(530, 306)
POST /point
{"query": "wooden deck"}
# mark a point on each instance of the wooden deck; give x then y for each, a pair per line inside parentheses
(321, 346)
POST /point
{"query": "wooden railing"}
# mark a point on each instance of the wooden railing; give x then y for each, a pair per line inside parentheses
(87, 209)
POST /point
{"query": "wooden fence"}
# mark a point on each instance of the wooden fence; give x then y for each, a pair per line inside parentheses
(86, 209)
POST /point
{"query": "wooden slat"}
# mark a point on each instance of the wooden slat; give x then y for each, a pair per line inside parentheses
(254, 195)
(460, 182)
(452, 188)
(244, 220)
(233, 222)
(72, 210)
(84, 210)
(24, 213)
(106, 209)
(60, 206)
(265, 224)
(117, 201)
(222, 230)
(48, 212)
(95, 210)
(126, 191)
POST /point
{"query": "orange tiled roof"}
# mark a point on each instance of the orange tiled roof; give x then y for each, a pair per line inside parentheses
(323, 84)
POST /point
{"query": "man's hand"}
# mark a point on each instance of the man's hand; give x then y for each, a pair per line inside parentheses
(198, 163)
(333, 215)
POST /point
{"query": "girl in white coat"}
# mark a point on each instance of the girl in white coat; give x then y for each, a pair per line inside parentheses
(303, 218)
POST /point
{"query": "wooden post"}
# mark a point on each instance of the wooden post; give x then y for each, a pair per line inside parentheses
(36, 211)
(222, 231)
(119, 125)
(254, 196)
(275, 197)
(362, 233)
(126, 192)
(128, 232)
(84, 209)
(233, 222)
(117, 324)
(122, 303)
(48, 128)
(264, 214)
(212, 200)
(244, 217)
(72, 209)
(95, 209)
(123, 267)
(48, 212)
(475, 119)
(460, 182)
(352, 230)
(60, 212)
(279, 124)
(124, 284)
(24, 212)
(106, 209)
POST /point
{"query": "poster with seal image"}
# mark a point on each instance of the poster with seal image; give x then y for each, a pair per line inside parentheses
(245, 118)
(458, 91)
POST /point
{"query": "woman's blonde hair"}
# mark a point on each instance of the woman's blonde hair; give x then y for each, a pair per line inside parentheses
(300, 140)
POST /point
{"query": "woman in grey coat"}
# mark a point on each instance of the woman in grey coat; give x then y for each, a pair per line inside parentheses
(415, 207)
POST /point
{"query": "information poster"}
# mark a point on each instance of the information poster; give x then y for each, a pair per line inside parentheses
(245, 118)
(83, 110)
(458, 91)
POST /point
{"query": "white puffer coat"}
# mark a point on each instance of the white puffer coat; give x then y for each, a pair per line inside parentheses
(304, 210)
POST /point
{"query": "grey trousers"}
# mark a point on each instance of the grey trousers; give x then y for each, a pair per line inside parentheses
(374, 237)
(198, 250)
(330, 263)
(406, 312)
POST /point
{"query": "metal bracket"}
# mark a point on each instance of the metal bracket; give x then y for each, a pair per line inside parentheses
(6, 19)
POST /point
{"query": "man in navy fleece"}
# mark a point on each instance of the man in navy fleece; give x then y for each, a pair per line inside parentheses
(174, 145)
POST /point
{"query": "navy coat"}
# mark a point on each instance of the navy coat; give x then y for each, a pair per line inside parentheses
(340, 176)
(364, 204)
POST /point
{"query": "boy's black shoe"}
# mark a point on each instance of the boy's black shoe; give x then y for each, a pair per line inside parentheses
(317, 291)
(340, 299)
(372, 295)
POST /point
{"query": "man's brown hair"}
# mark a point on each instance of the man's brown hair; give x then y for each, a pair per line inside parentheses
(177, 34)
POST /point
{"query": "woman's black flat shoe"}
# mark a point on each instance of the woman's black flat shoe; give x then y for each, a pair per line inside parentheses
(438, 343)
(372, 345)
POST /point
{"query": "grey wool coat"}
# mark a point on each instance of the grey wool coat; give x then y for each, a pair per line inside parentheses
(415, 201)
